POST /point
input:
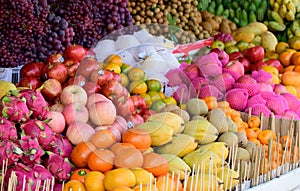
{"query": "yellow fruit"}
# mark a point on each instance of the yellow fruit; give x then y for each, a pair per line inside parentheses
(5, 86)
(270, 69)
(275, 79)
(119, 177)
(150, 187)
(124, 79)
(143, 176)
(136, 74)
(91, 178)
(137, 87)
(292, 90)
(113, 67)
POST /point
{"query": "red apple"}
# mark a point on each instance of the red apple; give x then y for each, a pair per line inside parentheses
(101, 76)
(124, 105)
(255, 54)
(192, 71)
(112, 89)
(148, 113)
(76, 80)
(257, 65)
(102, 113)
(71, 67)
(95, 98)
(50, 89)
(235, 56)
(86, 67)
(30, 82)
(73, 93)
(54, 58)
(91, 88)
(74, 52)
(139, 104)
(56, 121)
(236, 66)
(75, 112)
(276, 63)
(116, 77)
(134, 120)
(246, 79)
(55, 71)
(246, 64)
(78, 132)
(57, 107)
(31, 69)
(121, 124)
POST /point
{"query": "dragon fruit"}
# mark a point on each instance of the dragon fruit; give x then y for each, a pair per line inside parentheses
(8, 130)
(15, 109)
(41, 173)
(32, 151)
(59, 167)
(35, 102)
(10, 151)
(21, 171)
(40, 130)
(64, 146)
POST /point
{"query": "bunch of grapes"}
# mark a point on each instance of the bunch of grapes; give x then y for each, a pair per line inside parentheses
(92, 20)
(30, 32)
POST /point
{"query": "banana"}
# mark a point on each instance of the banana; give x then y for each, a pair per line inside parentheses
(272, 3)
(290, 16)
(252, 17)
(275, 26)
(291, 6)
(219, 148)
(160, 133)
(202, 130)
(294, 26)
(282, 11)
(203, 159)
(276, 7)
(204, 182)
(220, 10)
(297, 32)
(180, 145)
(173, 120)
(177, 165)
(229, 177)
(276, 17)
(278, 1)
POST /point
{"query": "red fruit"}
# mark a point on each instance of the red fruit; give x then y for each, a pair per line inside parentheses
(31, 69)
(30, 82)
(75, 52)
(255, 54)
(56, 71)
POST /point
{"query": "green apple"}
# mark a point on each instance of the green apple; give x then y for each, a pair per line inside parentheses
(217, 44)
(242, 45)
(231, 49)
(158, 105)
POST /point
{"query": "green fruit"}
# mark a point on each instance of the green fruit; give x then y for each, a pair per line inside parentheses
(231, 49)
(157, 105)
(242, 45)
(217, 44)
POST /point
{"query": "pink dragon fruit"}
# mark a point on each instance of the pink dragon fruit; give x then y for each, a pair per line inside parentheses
(40, 130)
(10, 151)
(59, 167)
(8, 130)
(32, 151)
(64, 146)
(15, 109)
(21, 172)
(35, 102)
(41, 173)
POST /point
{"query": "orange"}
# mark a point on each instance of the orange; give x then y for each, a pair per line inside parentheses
(290, 78)
(129, 158)
(79, 174)
(257, 130)
(122, 188)
(265, 135)
(144, 187)
(143, 176)
(119, 177)
(112, 67)
(147, 99)
(153, 85)
(253, 121)
(103, 138)
(281, 47)
(125, 68)
(211, 102)
(93, 181)
(297, 68)
(289, 68)
(117, 147)
(251, 133)
(156, 164)
(168, 183)
(242, 129)
(154, 95)
(162, 95)
(140, 138)
(285, 141)
(296, 58)
(285, 58)
(74, 185)
(137, 87)
(256, 141)
(114, 58)
(136, 74)
(80, 154)
(101, 160)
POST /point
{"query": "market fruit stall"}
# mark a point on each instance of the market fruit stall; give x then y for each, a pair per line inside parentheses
(155, 95)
